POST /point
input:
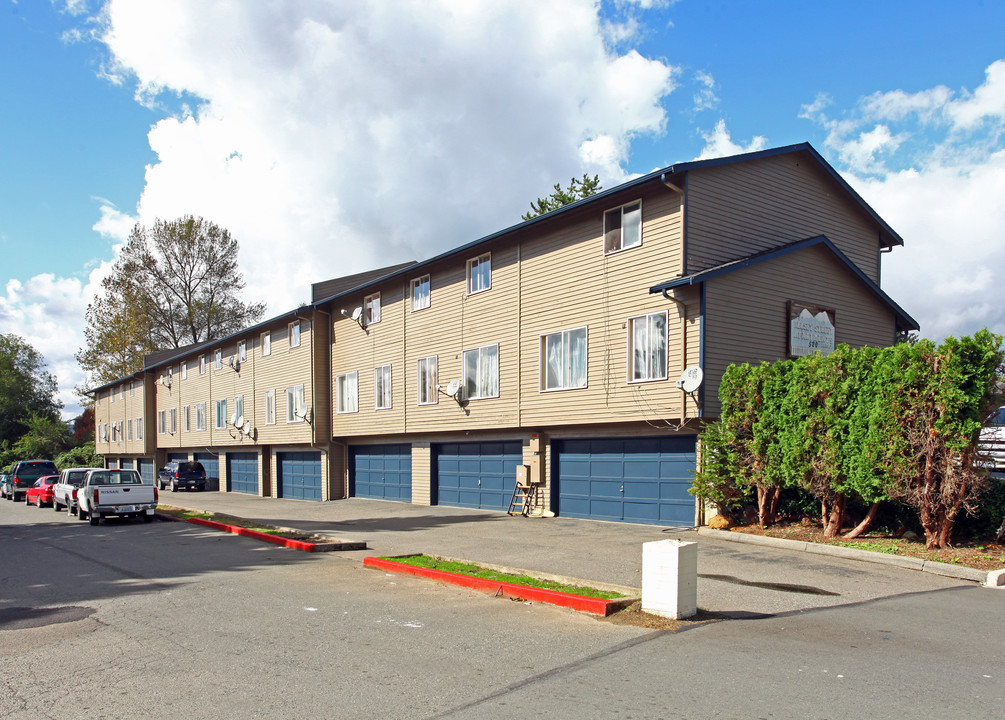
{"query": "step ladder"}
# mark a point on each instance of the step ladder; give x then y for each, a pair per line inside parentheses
(524, 498)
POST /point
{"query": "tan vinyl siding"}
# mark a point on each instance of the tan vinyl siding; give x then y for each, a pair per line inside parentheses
(422, 473)
(739, 209)
(747, 317)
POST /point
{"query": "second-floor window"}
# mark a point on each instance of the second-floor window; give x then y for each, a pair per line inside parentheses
(161, 422)
(174, 421)
(239, 409)
(563, 360)
(481, 372)
(186, 418)
(371, 309)
(296, 409)
(295, 334)
(426, 381)
(221, 414)
(647, 347)
(266, 343)
(347, 392)
(242, 351)
(218, 359)
(382, 387)
(200, 416)
(184, 370)
(139, 428)
(623, 227)
(129, 429)
(420, 293)
(202, 364)
(270, 407)
(479, 273)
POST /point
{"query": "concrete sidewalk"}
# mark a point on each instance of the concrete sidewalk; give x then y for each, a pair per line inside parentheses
(733, 578)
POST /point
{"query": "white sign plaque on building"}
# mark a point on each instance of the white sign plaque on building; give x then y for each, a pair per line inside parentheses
(811, 329)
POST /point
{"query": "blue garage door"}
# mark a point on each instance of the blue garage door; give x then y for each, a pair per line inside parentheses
(643, 480)
(477, 475)
(179, 457)
(299, 475)
(212, 464)
(126, 463)
(111, 463)
(381, 471)
(242, 472)
(146, 468)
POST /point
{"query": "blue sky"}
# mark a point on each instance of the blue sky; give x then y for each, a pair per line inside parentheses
(297, 125)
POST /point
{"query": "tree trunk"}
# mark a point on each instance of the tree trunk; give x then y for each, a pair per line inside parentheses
(864, 525)
(767, 504)
(834, 519)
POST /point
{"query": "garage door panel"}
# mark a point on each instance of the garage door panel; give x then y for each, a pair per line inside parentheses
(643, 480)
(382, 472)
(477, 475)
(299, 475)
(242, 473)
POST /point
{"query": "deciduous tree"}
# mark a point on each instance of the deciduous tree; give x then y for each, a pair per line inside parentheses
(26, 388)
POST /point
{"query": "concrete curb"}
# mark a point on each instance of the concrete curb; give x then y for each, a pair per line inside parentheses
(992, 578)
(581, 603)
(331, 545)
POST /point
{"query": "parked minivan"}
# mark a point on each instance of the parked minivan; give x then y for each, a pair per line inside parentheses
(24, 474)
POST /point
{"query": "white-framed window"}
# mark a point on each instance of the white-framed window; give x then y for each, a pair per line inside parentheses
(296, 409)
(122, 392)
(371, 309)
(161, 422)
(420, 293)
(563, 359)
(104, 432)
(218, 359)
(184, 370)
(481, 372)
(129, 429)
(270, 407)
(242, 351)
(170, 376)
(479, 273)
(202, 364)
(221, 414)
(239, 408)
(295, 334)
(623, 227)
(173, 415)
(186, 418)
(382, 387)
(200, 416)
(426, 381)
(114, 438)
(347, 392)
(132, 389)
(139, 428)
(111, 396)
(266, 343)
(647, 347)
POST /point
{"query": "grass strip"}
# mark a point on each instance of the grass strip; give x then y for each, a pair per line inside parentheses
(228, 520)
(435, 563)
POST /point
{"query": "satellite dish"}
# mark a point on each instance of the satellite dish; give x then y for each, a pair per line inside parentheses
(247, 427)
(230, 361)
(357, 314)
(237, 366)
(167, 381)
(233, 419)
(453, 387)
(690, 379)
(240, 421)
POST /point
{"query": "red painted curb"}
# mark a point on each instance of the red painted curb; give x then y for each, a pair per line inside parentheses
(275, 539)
(596, 606)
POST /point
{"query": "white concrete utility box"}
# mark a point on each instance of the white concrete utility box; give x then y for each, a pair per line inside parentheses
(670, 578)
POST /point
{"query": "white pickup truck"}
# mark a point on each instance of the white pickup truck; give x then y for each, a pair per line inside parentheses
(122, 493)
(64, 492)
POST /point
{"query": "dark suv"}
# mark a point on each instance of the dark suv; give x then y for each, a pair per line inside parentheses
(184, 474)
(24, 473)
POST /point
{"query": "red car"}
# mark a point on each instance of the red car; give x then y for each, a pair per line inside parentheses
(41, 492)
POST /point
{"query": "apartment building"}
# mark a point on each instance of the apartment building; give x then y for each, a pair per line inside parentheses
(584, 346)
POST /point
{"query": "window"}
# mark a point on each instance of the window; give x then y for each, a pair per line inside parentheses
(111, 396)
(563, 360)
(139, 428)
(270, 407)
(200, 416)
(218, 359)
(623, 227)
(170, 376)
(221, 413)
(132, 389)
(122, 392)
(114, 438)
(202, 364)
(296, 410)
(239, 408)
(266, 343)
(187, 418)
(426, 381)
(481, 372)
(479, 273)
(382, 387)
(420, 293)
(647, 347)
(174, 421)
(129, 429)
(242, 351)
(347, 393)
(371, 309)
(184, 371)
(161, 422)
(295, 334)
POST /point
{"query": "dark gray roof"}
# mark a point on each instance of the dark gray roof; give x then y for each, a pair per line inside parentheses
(904, 321)
(337, 286)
